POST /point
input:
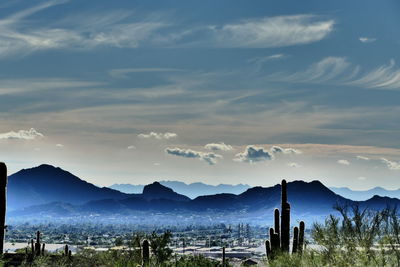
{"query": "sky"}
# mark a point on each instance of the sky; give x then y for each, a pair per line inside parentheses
(210, 91)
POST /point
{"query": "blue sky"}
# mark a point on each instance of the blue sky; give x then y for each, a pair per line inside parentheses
(133, 91)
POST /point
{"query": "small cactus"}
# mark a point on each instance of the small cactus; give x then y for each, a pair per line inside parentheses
(66, 250)
(301, 237)
(32, 247)
(295, 239)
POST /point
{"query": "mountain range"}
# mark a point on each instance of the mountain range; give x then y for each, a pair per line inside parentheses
(191, 190)
(52, 192)
(365, 194)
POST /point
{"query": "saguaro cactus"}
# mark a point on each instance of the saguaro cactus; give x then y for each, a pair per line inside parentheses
(223, 257)
(301, 237)
(66, 250)
(295, 239)
(3, 199)
(279, 236)
(37, 244)
(145, 253)
(285, 218)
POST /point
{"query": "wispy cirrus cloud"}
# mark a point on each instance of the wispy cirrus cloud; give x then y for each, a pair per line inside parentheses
(209, 157)
(120, 29)
(17, 37)
(384, 77)
(272, 31)
(30, 134)
(327, 69)
(338, 70)
(124, 73)
(158, 136)
(16, 86)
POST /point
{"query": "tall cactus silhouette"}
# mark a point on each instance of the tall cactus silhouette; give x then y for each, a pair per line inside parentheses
(301, 237)
(285, 218)
(223, 257)
(279, 236)
(37, 244)
(145, 253)
(3, 196)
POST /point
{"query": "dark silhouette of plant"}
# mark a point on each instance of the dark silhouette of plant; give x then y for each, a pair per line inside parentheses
(145, 253)
(3, 199)
(280, 235)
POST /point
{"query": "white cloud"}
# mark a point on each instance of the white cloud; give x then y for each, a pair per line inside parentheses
(211, 158)
(158, 136)
(253, 154)
(22, 134)
(343, 162)
(278, 149)
(272, 31)
(362, 178)
(131, 147)
(366, 40)
(362, 157)
(392, 165)
(218, 146)
(59, 145)
(294, 165)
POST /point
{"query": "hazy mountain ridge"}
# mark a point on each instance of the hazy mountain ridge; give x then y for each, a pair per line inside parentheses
(307, 199)
(365, 194)
(46, 183)
(191, 190)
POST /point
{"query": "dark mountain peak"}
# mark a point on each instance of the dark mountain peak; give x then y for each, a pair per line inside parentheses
(159, 191)
(156, 188)
(380, 198)
(46, 183)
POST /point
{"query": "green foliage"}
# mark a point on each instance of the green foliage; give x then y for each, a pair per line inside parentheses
(360, 237)
(115, 258)
(159, 246)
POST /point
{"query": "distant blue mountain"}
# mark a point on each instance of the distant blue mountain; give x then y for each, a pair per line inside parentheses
(50, 192)
(128, 188)
(46, 183)
(366, 194)
(192, 190)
